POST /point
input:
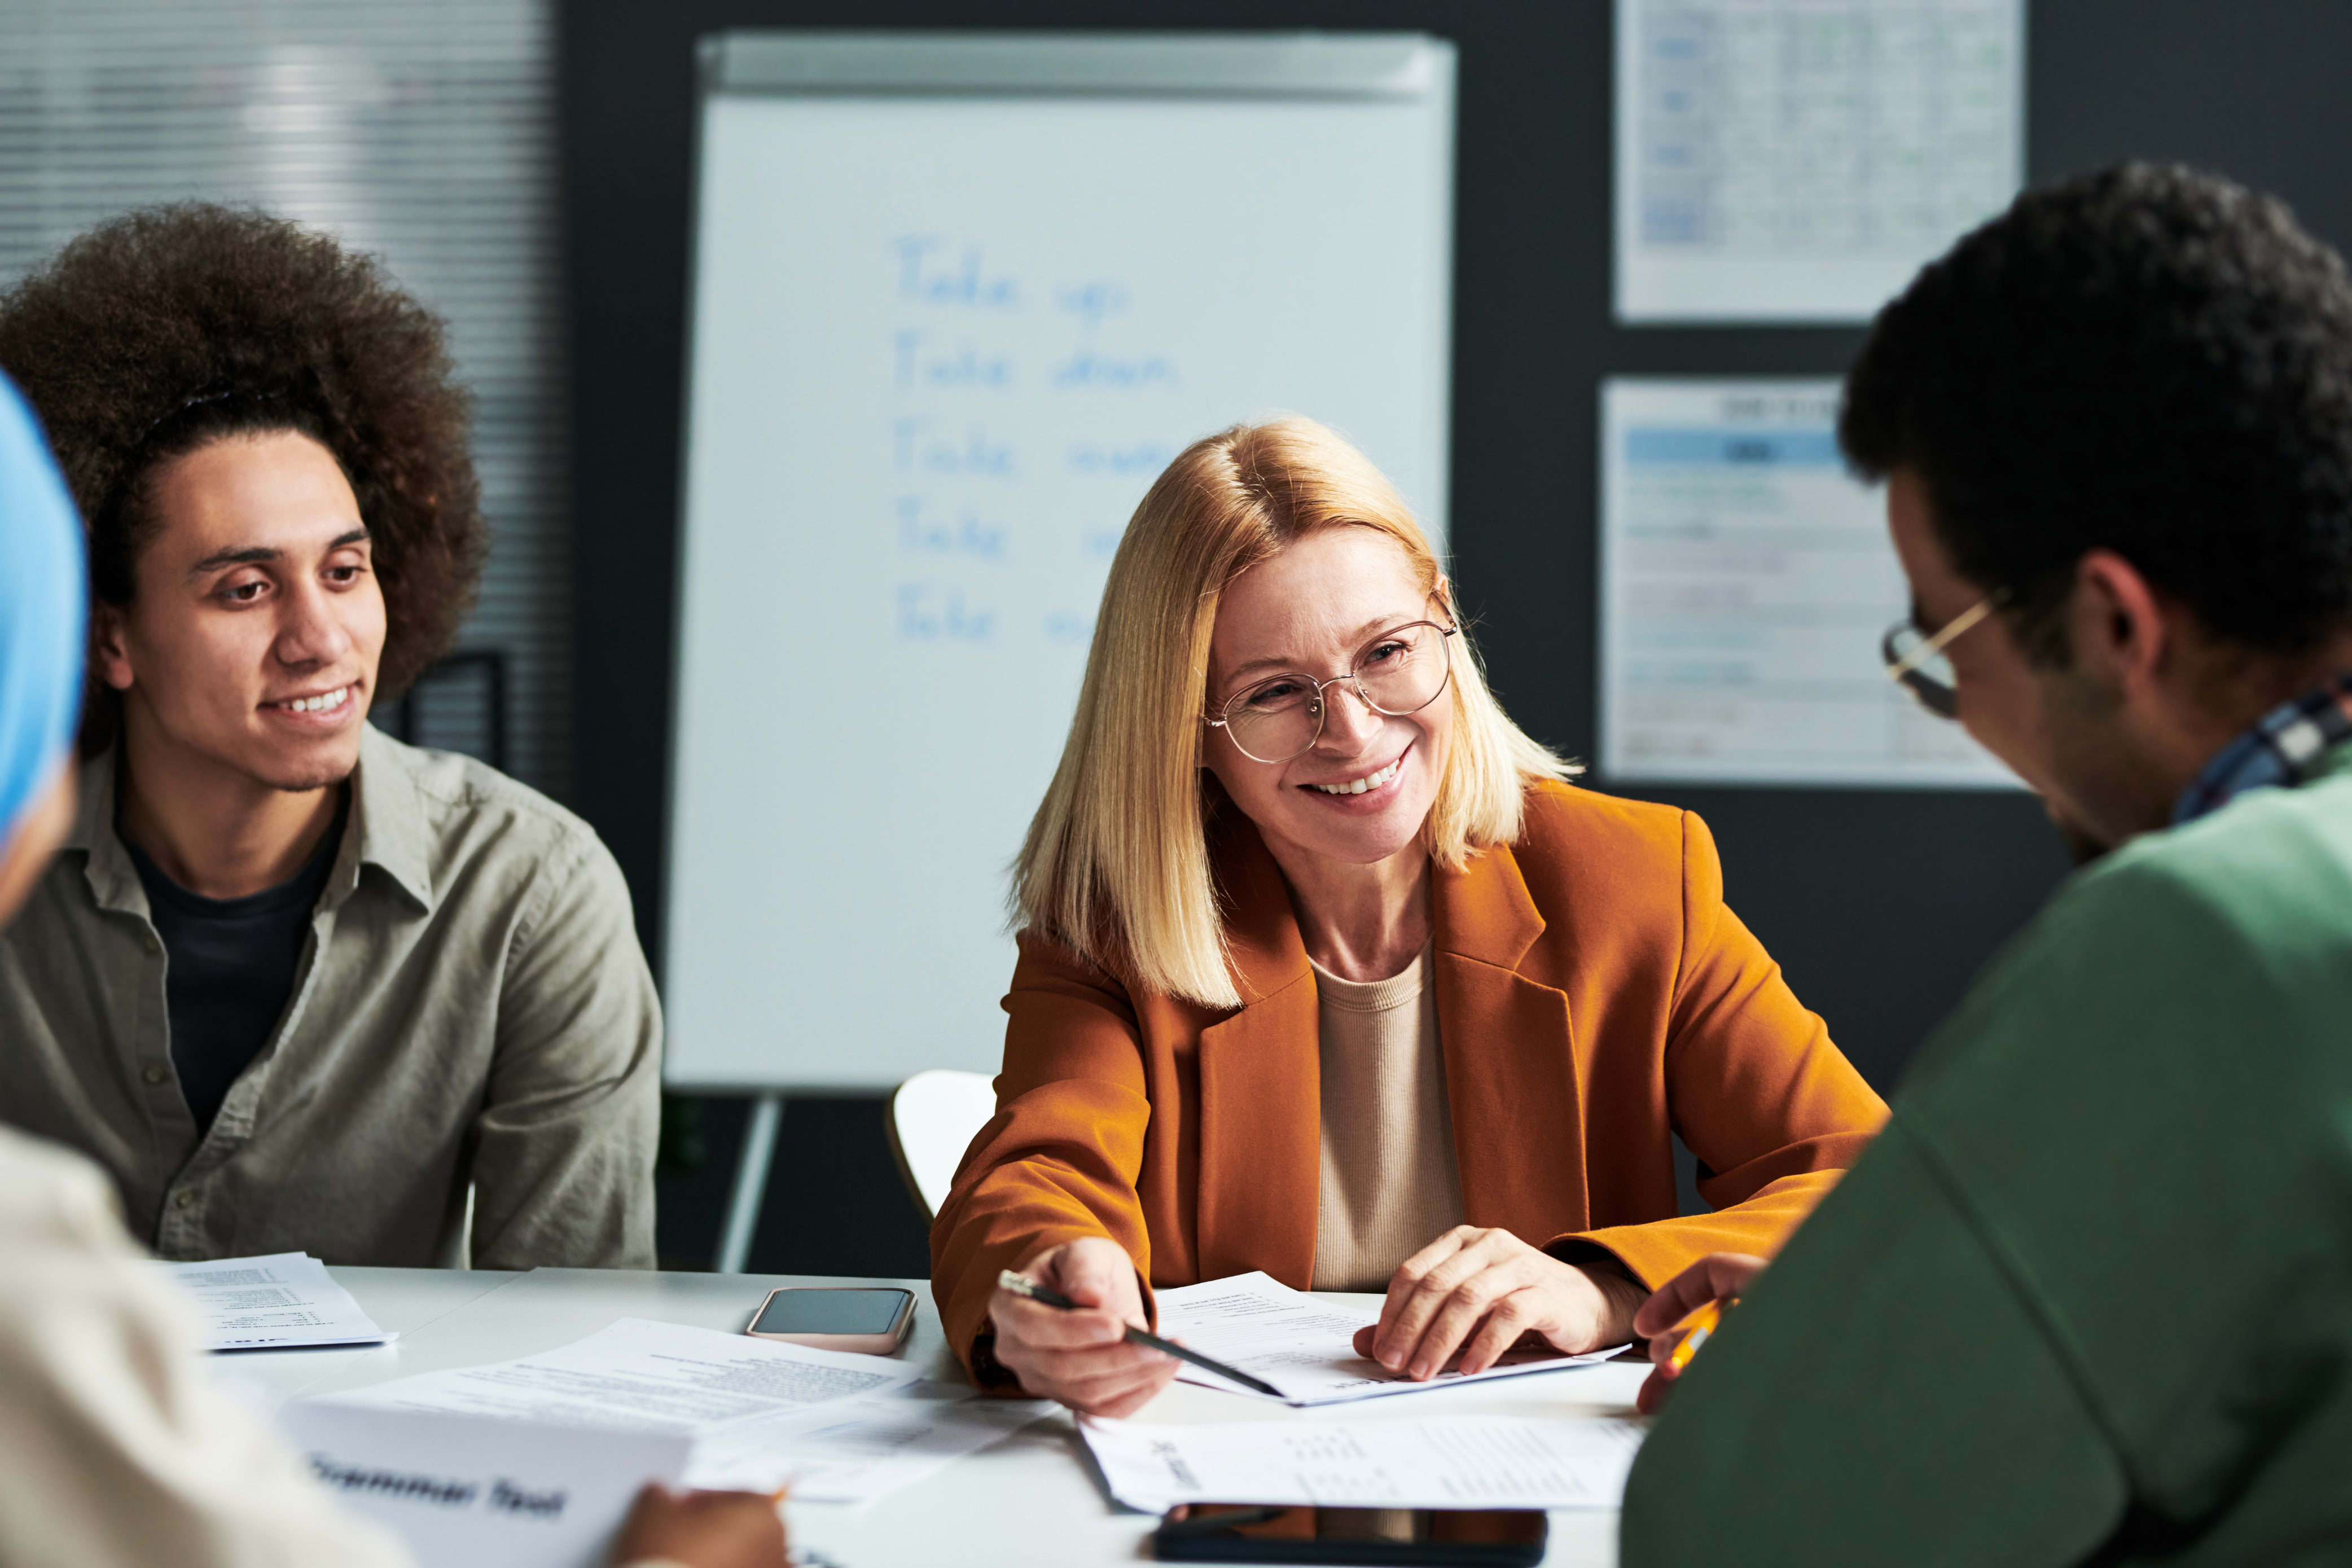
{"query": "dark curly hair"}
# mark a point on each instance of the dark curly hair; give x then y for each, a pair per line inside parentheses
(2147, 360)
(172, 327)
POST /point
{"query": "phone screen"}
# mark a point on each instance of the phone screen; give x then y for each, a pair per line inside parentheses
(1261, 1532)
(819, 1310)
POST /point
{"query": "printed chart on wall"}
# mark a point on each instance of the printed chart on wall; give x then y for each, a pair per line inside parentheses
(1747, 578)
(1799, 159)
(946, 334)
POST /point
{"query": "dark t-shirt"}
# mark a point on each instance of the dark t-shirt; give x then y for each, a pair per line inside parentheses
(229, 967)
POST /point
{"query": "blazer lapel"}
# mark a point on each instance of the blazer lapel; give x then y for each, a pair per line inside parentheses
(1510, 1056)
(1261, 1084)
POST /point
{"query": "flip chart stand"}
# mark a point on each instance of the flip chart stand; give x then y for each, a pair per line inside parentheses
(751, 1182)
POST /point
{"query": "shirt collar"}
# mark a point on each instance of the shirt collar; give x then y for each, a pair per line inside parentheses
(113, 879)
(389, 829)
(389, 806)
(2281, 749)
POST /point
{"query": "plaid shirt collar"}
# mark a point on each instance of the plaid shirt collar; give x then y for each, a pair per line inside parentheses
(2279, 751)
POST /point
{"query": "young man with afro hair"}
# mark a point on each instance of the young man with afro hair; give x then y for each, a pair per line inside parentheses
(296, 986)
(2088, 1297)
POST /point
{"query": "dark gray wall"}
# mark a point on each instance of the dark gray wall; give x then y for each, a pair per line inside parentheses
(1879, 905)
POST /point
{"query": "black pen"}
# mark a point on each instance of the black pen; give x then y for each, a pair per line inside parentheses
(1022, 1285)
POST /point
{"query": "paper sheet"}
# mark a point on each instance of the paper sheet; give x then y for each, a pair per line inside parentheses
(857, 1449)
(839, 1427)
(640, 1376)
(481, 1494)
(1799, 159)
(1746, 579)
(1306, 1347)
(287, 1299)
(1463, 1462)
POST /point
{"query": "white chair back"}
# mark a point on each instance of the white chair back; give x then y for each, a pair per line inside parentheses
(933, 1118)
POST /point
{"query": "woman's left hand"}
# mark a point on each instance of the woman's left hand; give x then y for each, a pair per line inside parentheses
(1480, 1292)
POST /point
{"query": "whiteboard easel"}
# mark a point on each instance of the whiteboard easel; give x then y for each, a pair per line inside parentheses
(957, 300)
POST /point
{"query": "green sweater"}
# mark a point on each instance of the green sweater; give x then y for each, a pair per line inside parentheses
(2090, 1293)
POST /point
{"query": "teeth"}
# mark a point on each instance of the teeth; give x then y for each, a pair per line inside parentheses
(320, 704)
(1370, 781)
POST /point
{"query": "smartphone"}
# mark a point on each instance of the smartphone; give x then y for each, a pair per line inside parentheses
(870, 1320)
(1263, 1532)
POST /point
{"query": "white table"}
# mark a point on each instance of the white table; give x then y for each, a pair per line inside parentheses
(1030, 1502)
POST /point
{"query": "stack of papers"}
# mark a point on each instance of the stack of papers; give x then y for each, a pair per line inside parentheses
(270, 1303)
(1463, 1462)
(1306, 1347)
(761, 1414)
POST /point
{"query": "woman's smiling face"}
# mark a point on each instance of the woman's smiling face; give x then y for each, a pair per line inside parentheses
(1310, 611)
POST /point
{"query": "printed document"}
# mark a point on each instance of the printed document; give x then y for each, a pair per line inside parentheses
(1799, 160)
(1462, 1461)
(284, 1299)
(648, 1376)
(857, 1449)
(838, 1428)
(482, 1494)
(1746, 581)
(1306, 1347)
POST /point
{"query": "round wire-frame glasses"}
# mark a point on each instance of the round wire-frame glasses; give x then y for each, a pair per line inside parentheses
(1917, 662)
(1394, 675)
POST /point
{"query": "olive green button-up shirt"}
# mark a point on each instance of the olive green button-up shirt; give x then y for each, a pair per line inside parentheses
(471, 1009)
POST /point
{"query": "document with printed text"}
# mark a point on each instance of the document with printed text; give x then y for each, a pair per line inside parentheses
(1800, 160)
(646, 1376)
(1306, 1346)
(857, 1449)
(1462, 1461)
(277, 1302)
(482, 1494)
(1747, 578)
(838, 1428)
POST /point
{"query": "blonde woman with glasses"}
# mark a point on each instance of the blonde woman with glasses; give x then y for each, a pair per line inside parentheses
(1326, 970)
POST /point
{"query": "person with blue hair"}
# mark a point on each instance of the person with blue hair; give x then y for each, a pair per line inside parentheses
(41, 632)
(121, 1451)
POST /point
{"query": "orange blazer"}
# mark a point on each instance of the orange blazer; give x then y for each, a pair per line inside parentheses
(1594, 996)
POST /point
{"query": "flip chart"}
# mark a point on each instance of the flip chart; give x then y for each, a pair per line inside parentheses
(958, 301)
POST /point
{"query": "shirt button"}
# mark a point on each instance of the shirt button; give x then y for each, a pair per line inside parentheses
(151, 943)
(154, 1075)
(185, 1200)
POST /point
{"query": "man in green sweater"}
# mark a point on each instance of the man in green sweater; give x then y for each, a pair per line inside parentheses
(2089, 1296)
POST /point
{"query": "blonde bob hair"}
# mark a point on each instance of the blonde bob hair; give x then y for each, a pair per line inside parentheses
(1116, 865)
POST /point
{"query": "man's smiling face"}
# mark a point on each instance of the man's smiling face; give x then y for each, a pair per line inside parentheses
(253, 636)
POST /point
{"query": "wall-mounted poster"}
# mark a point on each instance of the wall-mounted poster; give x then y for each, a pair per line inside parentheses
(1746, 581)
(1799, 159)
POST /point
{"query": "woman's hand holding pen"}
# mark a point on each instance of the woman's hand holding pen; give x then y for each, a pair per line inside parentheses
(1080, 1357)
(1718, 1277)
(1477, 1293)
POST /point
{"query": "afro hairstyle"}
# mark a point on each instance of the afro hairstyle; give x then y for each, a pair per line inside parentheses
(169, 328)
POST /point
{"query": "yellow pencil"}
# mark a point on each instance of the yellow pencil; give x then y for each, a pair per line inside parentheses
(1701, 1324)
